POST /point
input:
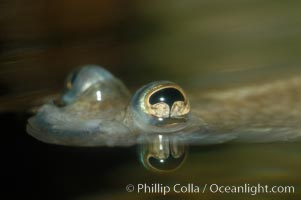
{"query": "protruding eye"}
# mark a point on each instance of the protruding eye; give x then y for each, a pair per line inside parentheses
(81, 79)
(93, 85)
(161, 104)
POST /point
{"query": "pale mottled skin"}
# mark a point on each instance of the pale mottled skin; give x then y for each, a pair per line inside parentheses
(266, 111)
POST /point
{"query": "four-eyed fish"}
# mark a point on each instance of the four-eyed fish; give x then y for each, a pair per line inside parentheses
(97, 109)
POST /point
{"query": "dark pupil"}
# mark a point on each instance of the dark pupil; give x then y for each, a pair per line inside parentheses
(74, 75)
(167, 95)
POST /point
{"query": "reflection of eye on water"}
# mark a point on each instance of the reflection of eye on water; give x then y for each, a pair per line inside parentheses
(162, 153)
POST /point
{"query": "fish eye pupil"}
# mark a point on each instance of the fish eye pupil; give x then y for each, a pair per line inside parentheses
(166, 95)
(71, 79)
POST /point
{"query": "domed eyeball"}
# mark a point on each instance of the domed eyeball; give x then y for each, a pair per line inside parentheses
(93, 82)
(162, 106)
(162, 154)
